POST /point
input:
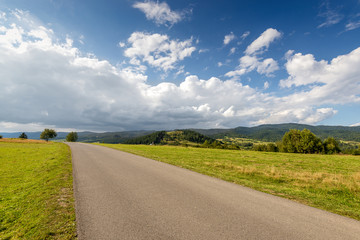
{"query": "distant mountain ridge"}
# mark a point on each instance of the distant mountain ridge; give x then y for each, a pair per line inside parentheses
(268, 132)
(275, 132)
(107, 137)
(32, 135)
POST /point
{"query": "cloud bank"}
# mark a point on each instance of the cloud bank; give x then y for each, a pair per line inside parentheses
(49, 82)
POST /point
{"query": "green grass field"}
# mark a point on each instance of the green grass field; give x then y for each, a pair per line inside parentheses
(36, 191)
(329, 182)
(240, 141)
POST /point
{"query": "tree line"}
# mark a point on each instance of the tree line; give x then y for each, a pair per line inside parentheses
(51, 133)
(163, 137)
(153, 138)
(296, 141)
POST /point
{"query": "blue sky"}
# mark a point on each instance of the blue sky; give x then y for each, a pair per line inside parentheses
(127, 65)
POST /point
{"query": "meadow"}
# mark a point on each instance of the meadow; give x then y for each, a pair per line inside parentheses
(36, 190)
(329, 182)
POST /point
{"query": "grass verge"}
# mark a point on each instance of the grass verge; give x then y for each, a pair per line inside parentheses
(329, 182)
(36, 190)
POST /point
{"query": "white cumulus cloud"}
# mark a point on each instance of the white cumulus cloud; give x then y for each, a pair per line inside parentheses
(228, 38)
(160, 13)
(157, 50)
(337, 82)
(251, 61)
(2, 16)
(304, 115)
(245, 35)
(266, 85)
(262, 43)
(235, 73)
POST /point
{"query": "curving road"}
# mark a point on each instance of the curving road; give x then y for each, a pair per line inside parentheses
(123, 196)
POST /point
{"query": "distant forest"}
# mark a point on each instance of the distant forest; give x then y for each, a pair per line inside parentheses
(173, 137)
(275, 132)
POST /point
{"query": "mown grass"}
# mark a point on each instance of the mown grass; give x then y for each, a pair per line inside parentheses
(36, 190)
(329, 182)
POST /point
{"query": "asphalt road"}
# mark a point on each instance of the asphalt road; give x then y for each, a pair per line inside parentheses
(123, 196)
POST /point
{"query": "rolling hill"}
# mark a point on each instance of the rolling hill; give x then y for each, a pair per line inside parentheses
(275, 132)
(267, 133)
(176, 137)
(107, 137)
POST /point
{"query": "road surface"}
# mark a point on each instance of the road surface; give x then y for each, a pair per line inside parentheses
(123, 196)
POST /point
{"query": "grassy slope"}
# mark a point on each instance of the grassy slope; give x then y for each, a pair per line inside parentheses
(329, 182)
(36, 193)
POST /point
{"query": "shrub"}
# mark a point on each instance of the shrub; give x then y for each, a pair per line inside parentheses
(296, 141)
(23, 136)
(72, 137)
(356, 152)
(271, 147)
(259, 147)
(280, 146)
(291, 140)
(331, 146)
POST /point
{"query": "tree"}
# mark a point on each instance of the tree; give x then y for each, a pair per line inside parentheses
(47, 134)
(309, 142)
(271, 147)
(331, 146)
(296, 141)
(72, 137)
(259, 147)
(153, 138)
(291, 140)
(280, 146)
(0, 136)
(357, 151)
(206, 144)
(23, 136)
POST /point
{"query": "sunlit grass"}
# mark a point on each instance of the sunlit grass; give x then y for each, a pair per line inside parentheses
(330, 182)
(36, 192)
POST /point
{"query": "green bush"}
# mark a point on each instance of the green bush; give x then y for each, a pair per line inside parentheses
(259, 147)
(23, 136)
(331, 146)
(356, 152)
(270, 147)
(72, 137)
(296, 141)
